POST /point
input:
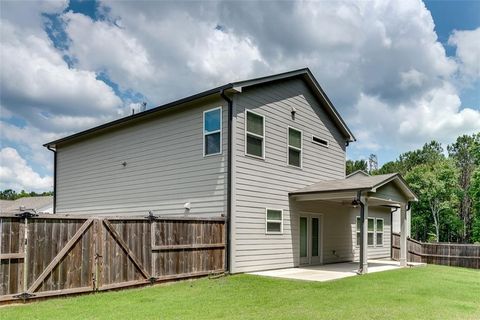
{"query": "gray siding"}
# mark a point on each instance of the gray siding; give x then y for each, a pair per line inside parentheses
(165, 168)
(266, 183)
(374, 251)
(336, 237)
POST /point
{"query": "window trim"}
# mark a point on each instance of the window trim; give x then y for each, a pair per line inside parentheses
(274, 221)
(376, 231)
(213, 132)
(295, 148)
(374, 245)
(318, 143)
(246, 133)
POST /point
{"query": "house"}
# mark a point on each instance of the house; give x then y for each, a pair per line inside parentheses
(266, 153)
(39, 204)
(395, 218)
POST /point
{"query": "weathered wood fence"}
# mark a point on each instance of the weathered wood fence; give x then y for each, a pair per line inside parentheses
(50, 255)
(448, 254)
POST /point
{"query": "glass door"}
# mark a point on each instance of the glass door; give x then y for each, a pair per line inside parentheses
(310, 240)
(315, 241)
(304, 240)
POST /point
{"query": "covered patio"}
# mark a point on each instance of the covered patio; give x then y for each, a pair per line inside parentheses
(332, 271)
(356, 195)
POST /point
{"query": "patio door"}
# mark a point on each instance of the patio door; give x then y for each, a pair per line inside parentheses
(310, 240)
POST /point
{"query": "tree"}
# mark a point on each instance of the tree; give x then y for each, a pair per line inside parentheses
(463, 153)
(352, 166)
(10, 194)
(474, 192)
(433, 183)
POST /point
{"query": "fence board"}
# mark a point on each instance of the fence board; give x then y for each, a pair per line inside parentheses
(68, 254)
(450, 254)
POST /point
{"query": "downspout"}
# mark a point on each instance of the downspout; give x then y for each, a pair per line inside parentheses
(54, 178)
(391, 231)
(362, 233)
(229, 179)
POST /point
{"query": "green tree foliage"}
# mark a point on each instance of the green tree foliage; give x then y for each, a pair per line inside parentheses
(433, 184)
(10, 194)
(352, 166)
(463, 152)
(447, 210)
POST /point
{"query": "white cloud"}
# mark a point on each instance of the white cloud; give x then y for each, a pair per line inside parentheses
(179, 54)
(29, 140)
(379, 61)
(468, 51)
(16, 174)
(437, 115)
(37, 83)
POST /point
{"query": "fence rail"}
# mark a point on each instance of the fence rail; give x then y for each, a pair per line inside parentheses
(50, 255)
(449, 254)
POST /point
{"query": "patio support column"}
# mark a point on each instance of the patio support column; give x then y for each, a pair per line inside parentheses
(363, 268)
(403, 235)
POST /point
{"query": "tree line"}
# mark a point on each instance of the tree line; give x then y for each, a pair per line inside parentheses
(10, 194)
(447, 184)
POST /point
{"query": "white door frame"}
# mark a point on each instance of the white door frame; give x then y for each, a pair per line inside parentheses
(308, 259)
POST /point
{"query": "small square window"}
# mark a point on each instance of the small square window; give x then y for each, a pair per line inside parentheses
(274, 221)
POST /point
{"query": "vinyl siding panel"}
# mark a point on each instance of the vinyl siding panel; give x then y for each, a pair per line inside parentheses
(336, 235)
(265, 183)
(165, 168)
(374, 251)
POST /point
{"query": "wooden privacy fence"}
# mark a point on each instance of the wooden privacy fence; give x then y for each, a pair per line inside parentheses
(49, 255)
(448, 254)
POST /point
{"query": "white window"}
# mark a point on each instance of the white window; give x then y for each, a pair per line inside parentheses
(294, 147)
(375, 232)
(274, 221)
(371, 231)
(212, 131)
(379, 232)
(254, 135)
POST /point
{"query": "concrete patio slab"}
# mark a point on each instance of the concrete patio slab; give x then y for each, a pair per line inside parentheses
(329, 272)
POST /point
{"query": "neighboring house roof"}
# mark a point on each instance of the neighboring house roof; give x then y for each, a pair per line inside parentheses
(365, 183)
(358, 173)
(39, 204)
(238, 86)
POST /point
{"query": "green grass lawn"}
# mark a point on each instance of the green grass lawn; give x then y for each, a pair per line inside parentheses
(433, 292)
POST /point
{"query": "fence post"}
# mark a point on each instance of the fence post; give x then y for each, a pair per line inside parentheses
(25, 259)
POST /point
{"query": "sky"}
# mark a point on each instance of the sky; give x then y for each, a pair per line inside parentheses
(401, 73)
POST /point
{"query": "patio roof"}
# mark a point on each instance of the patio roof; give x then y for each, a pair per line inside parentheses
(359, 183)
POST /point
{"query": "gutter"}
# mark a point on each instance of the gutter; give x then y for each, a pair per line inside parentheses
(229, 177)
(54, 178)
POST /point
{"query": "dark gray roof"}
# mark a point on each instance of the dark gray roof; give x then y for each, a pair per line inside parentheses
(36, 203)
(358, 173)
(304, 73)
(360, 183)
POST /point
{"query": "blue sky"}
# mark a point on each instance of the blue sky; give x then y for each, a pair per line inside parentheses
(400, 72)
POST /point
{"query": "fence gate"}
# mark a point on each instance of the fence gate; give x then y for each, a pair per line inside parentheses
(48, 255)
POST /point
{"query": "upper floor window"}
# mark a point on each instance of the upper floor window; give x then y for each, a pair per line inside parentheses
(294, 147)
(212, 131)
(255, 135)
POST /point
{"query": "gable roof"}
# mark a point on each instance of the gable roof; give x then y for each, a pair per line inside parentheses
(358, 173)
(360, 183)
(233, 87)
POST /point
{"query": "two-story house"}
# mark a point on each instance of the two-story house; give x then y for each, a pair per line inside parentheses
(268, 154)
